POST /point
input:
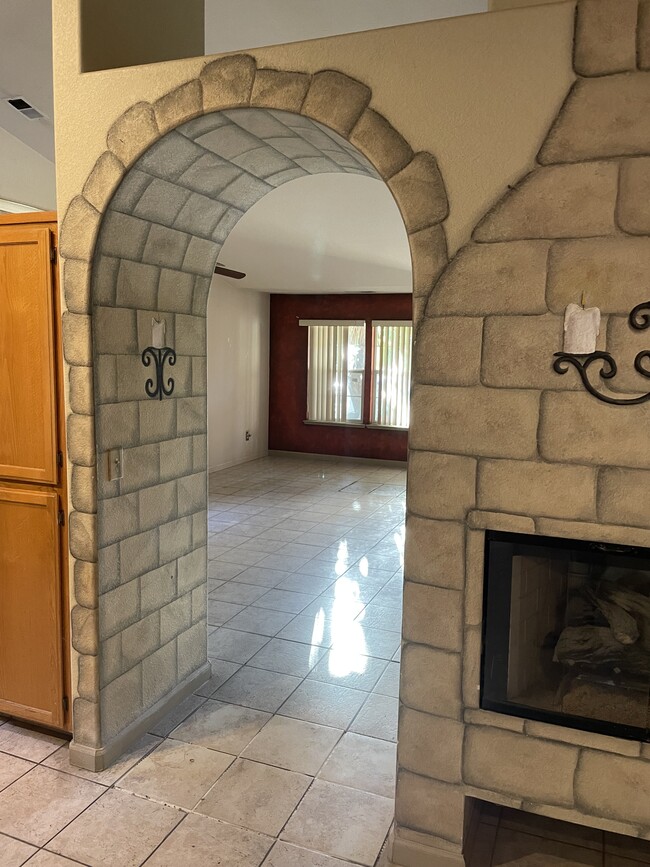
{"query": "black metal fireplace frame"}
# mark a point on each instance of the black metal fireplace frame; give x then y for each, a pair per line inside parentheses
(500, 547)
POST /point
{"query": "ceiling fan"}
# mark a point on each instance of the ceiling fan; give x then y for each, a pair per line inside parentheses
(228, 272)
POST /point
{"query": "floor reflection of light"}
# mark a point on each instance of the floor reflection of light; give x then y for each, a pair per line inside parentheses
(363, 566)
(342, 557)
(317, 634)
(356, 506)
(348, 654)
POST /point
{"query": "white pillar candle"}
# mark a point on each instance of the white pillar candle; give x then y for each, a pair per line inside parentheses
(581, 329)
(158, 328)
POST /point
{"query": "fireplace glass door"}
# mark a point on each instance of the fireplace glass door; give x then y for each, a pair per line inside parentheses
(566, 633)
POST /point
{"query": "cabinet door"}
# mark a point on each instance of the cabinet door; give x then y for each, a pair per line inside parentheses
(31, 675)
(28, 424)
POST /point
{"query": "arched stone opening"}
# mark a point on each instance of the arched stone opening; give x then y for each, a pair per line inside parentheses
(143, 241)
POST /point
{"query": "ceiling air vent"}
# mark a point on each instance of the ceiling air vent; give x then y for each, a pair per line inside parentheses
(24, 108)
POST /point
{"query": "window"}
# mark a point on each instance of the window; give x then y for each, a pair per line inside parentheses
(391, 369)
(335, 371)
(346, 385)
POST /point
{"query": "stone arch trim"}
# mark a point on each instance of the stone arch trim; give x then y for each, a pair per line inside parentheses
(329, 97)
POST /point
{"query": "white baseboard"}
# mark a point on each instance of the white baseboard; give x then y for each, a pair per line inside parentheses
(237, 463)
(99, 759)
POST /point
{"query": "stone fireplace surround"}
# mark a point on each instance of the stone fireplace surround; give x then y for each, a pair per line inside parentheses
(497, 439)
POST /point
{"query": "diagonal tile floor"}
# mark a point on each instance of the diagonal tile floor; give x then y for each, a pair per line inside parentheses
(286, 757)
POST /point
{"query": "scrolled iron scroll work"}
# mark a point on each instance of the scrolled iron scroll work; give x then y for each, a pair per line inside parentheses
(157, 388)
(639, 319)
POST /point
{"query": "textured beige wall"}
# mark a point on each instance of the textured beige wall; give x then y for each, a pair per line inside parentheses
(123, 33)
(479, 92)
(499, 5)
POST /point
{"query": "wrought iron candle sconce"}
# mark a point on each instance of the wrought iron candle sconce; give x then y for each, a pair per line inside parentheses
(639, 320)
(159, 355)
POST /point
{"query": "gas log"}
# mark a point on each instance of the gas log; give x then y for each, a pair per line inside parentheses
(621, 647)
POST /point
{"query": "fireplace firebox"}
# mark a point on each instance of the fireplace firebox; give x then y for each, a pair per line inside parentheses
(566, 633)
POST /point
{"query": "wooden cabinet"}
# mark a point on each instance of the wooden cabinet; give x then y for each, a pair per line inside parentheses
(33, 541)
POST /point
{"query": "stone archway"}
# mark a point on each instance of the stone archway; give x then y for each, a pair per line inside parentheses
(144, 237)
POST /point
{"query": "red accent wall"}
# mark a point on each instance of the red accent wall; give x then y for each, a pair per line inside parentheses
(288, 376)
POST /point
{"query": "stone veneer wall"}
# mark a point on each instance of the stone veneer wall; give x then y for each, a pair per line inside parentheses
(498, 440)
(153, 216)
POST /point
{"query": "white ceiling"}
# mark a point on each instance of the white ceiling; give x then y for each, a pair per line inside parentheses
(320, 234)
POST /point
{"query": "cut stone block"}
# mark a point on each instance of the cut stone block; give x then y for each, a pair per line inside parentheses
(132, 133)
(624, 496)
(336, 100)
(431, 806)
(274, 88)
(634, 196)
(445, 539)
(79, 230)
(493, 278)
(121, 703)
(475, 421)
(431, 681)
(76, 284)
(83, 536)
(420, 193)
(429, 257)
(605, 39)
(441, 486)
(420, 733)
(227, 82)
(578, 428)
(103, 180)
(179, 105)
(433, 616)
(643, 35)
(613, 786)
(536, 488)
(602, 117)
(595, 266)
(519, 766)
(84, 630)
(570, 201)
(447, 351)
(381, 144)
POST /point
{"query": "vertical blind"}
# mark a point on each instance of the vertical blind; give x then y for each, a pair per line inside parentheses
(391, 373)
(336, 360)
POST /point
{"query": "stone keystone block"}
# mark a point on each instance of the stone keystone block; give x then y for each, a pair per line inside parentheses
(605, 39)
(381, 144)
(79, 230)
(475, 421)
(614, 786)
(568, 201)
(602, 117)
(179, 105)
(519, 766)
(133, 132)
(336, 100)
(228, 82)
(420, 192)
(634, 196)
(274, 88)
(493, 278)
(103, 180)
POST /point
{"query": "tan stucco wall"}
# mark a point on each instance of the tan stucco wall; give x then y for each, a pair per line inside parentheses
(479, 92)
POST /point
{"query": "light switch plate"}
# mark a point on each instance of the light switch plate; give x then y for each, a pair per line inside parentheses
(115, 461)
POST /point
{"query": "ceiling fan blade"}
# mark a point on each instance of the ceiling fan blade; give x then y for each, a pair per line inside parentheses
(228, 272)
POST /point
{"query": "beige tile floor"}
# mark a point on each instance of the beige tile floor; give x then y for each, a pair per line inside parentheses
(286, 758)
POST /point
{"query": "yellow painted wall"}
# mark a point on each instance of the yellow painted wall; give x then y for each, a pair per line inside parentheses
(479, 92)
